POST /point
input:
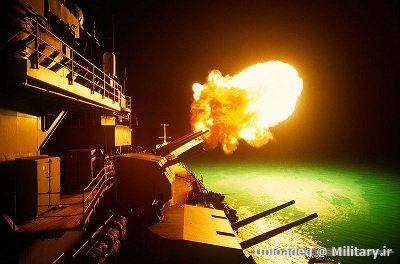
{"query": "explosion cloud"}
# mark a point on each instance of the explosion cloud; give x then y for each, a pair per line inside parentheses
(246, 105)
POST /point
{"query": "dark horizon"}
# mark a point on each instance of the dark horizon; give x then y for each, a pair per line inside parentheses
(347, 54)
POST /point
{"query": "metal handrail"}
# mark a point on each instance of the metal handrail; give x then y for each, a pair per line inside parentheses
(77, 65)
(80, 250)
(97, 186)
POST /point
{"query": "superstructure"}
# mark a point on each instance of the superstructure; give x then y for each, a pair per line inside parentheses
(73, 187)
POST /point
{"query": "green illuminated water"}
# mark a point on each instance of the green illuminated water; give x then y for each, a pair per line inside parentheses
(356, 206)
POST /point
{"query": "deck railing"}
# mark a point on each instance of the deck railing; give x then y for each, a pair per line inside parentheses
(94, 191)
(46, 49)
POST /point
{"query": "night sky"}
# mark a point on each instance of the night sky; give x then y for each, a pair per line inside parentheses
(346, 52)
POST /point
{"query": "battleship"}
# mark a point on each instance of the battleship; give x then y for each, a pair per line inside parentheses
(74, 188)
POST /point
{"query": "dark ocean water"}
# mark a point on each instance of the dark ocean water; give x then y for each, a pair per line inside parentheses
(357, 206)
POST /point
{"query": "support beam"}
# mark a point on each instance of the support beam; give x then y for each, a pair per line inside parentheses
(43, 137)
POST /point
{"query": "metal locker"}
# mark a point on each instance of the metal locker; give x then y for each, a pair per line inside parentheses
(37, 185)
(48, 182)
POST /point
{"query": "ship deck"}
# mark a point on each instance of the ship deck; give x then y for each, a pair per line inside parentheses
(68, 215)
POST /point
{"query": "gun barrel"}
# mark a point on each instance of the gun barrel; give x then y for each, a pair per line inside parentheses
(260, 215)
(260, 238)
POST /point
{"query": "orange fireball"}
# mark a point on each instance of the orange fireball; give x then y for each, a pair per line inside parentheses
(246, 105)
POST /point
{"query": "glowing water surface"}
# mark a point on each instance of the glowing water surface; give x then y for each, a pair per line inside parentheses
(356, 207)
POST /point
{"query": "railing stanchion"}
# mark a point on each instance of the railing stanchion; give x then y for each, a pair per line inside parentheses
(104, 85)
(35, 62)
(71, 73)
(83, 205)
(93, 75)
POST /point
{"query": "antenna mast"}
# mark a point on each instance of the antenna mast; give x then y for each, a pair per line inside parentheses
(164, 137)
